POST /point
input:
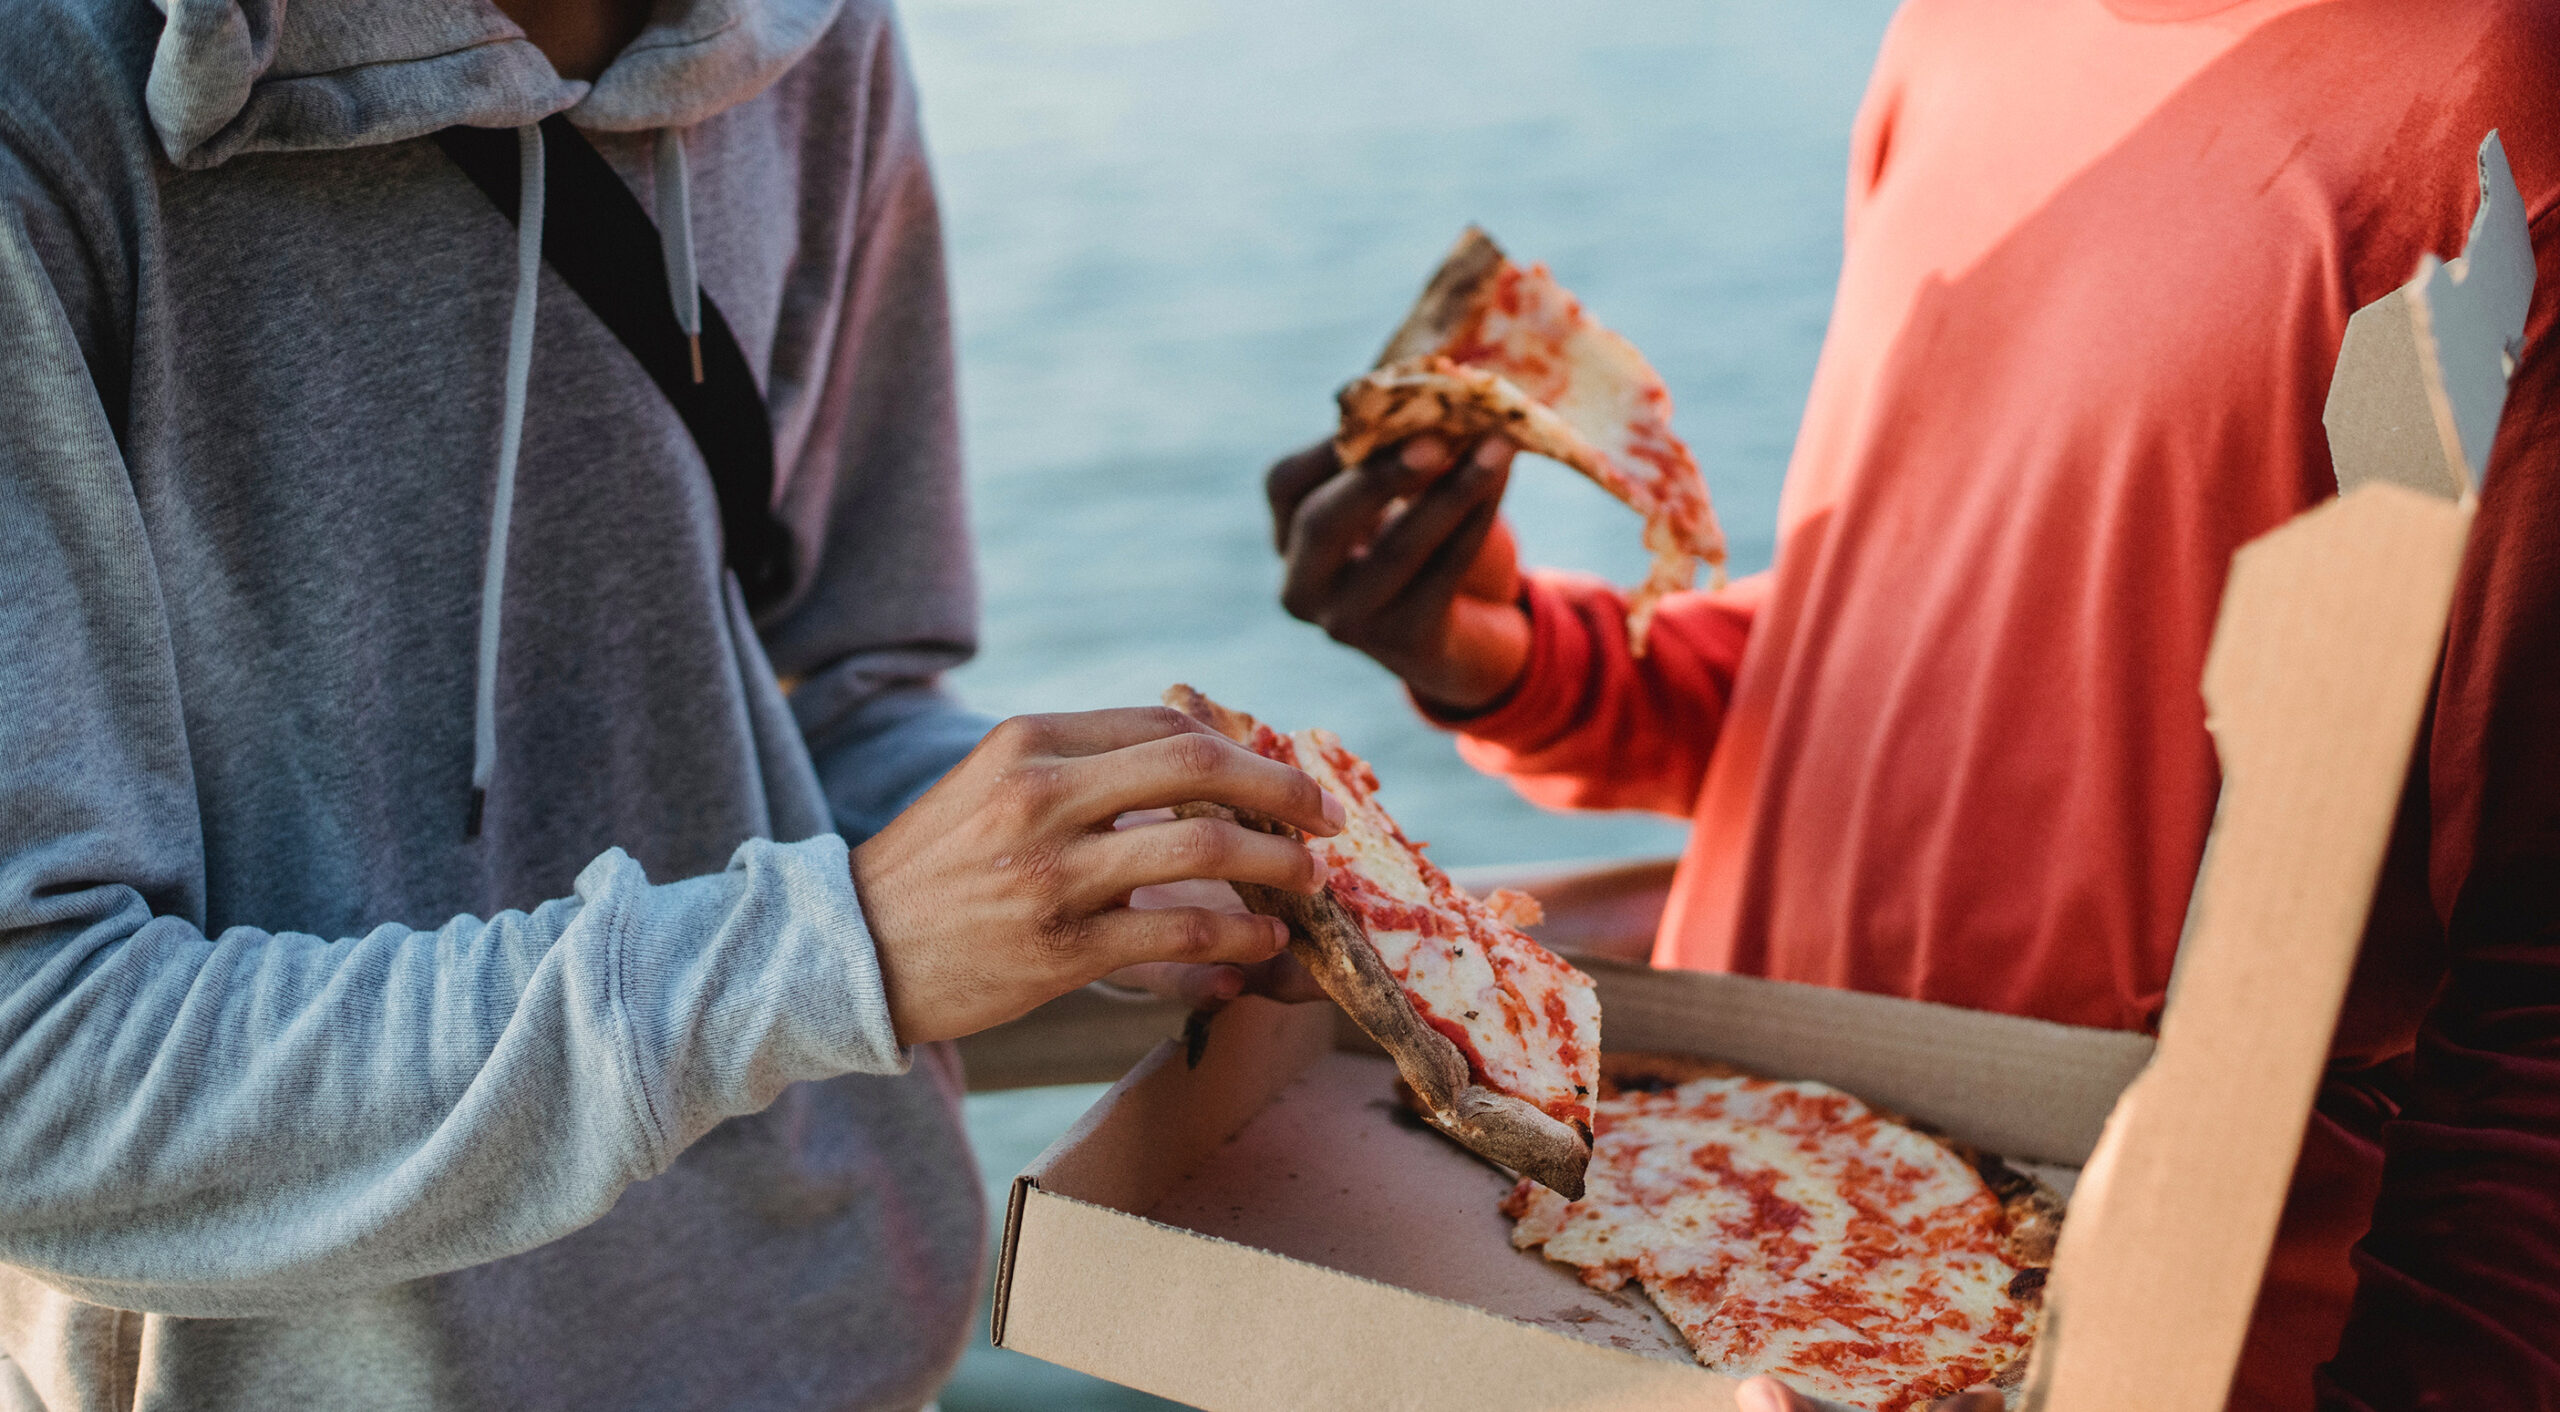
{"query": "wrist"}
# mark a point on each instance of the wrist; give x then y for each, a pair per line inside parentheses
(1488, 655)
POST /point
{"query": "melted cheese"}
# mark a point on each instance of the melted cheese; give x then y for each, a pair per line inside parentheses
(1530, 331)
(1787, 1229)
(1528, 1023)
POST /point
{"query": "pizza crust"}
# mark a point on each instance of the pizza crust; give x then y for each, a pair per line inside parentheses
(1433, 394)
(1334, 947)
(1448, 301)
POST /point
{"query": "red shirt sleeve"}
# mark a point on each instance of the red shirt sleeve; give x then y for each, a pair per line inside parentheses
(1593, 726)
(2458, 1294)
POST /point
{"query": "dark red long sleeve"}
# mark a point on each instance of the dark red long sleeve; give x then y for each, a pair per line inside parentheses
(2458, 1291)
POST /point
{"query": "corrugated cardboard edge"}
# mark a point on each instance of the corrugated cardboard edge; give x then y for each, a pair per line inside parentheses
(1089, 1284)
(1256, 1049)
(2022, 1088)
(2314, 687)
(1188, 1316)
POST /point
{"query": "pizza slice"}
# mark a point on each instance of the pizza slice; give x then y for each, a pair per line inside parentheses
(1497, 347)
(1498, 1038)
(1788, 1228)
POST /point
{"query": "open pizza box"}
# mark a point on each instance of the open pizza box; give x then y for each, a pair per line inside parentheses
(1269, 1230)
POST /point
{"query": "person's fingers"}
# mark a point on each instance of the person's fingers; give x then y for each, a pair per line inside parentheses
(1409, 542)
(1207, 766)
(1494, 453)
(1192, 987)
(1428, 454)
(1192, 892)
(1105, 868)
(1194, 935)
(1766, 1394)
(1288, 482)
(1078, 733)
(1976, 1400)
(1438, 578)
(1332, 525)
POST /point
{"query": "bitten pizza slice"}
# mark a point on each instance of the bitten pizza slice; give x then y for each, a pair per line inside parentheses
(1788, 1228)
(1498, 1038)
(1493, 346)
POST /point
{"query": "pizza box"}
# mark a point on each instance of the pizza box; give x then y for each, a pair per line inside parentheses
(1271, 1230)
(1267, 1229)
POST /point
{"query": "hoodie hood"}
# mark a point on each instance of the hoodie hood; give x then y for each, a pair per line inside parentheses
(234, 76)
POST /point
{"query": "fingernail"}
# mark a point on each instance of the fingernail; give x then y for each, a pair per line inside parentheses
(1491, 451)
(1279, 939)
(1228, 985)
(1334, 813)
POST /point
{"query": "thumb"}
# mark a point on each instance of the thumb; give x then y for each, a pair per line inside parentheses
(1194, 987)
(1766, 1394)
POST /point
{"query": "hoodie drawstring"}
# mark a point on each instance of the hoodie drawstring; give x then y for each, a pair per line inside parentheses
(684, 291)
(675, 241)
(493, 576)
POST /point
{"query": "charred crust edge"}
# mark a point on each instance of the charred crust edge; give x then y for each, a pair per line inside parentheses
(1328, 939)
(1447, 299)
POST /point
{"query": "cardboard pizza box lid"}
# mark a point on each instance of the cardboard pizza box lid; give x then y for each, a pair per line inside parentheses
(1261, 1232)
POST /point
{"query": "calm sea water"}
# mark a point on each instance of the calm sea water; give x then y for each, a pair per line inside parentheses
(1177, 225)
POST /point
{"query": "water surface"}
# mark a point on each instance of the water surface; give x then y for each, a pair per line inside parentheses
(1177, 226)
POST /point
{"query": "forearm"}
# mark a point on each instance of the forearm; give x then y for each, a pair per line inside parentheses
(2458, 1293)
(244, 1123)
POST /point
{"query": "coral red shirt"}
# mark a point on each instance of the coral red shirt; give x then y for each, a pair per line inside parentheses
(2099, 259)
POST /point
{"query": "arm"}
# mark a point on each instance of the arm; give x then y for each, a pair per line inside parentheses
(1406, 559)
(244, 1121)
(2456, 1300)
(237, 1121)
(1590, 725)
(874, 495)
(2458, 1281)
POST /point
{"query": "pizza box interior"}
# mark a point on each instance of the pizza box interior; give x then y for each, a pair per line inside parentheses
(1269, 1229)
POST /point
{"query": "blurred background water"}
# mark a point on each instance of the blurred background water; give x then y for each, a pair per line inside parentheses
(1177, 225)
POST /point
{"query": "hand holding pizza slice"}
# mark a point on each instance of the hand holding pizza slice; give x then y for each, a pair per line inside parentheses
(1498, 1038)
(1495, 348)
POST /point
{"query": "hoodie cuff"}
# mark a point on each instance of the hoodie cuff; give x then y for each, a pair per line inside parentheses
(823, 950)
(733, 986)
(1554, 691)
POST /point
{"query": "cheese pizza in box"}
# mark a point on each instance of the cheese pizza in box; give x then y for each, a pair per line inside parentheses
(1785, 1228)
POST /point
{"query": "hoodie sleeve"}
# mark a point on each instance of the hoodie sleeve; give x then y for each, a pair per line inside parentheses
(875, 498)
(248, 1122)
(1590, 725)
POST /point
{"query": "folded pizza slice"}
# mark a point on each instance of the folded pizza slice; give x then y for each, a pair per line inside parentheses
(1498, 1038)
(1493, 346)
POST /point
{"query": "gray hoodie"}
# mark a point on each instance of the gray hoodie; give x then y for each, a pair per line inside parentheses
(308, 1100)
